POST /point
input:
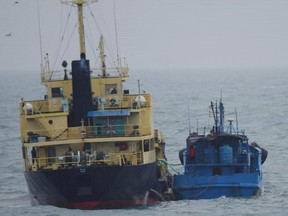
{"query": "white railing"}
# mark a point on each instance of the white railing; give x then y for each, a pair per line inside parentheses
(63, 105)
(47, 76)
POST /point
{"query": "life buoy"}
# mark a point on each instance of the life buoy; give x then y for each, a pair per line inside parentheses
(112, 102)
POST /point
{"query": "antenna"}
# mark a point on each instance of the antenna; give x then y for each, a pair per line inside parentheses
(40, 36)
(236, 121)
(116, 32)
(212, 108)
(214, 116)
(138, 86)
(221, 116)
(216, 112)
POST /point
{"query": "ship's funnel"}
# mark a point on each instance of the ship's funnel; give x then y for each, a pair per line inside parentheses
(82, 96)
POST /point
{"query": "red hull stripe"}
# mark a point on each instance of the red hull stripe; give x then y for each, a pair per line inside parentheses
(112, 204)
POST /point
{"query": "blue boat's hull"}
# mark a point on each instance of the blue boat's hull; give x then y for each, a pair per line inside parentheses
(210, 187)
(219, 164)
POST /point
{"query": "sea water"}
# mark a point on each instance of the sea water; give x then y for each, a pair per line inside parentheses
(260, 97)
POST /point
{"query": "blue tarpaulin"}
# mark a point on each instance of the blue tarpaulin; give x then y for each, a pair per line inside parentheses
(123, 112)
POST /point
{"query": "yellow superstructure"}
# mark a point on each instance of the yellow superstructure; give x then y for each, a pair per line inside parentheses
(119, 129)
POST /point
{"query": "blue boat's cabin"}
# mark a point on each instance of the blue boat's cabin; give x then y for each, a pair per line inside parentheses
(224, 154)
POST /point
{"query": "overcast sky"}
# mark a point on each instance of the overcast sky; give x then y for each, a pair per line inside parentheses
(155, 34)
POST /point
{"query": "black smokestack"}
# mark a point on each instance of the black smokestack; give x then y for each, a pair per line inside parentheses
(82, 96)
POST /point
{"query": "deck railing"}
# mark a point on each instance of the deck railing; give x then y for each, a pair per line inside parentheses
(87, 132)
(47, 76)
(60, 104)
(80, 159)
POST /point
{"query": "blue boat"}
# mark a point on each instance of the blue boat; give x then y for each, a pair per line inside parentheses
(222, 163)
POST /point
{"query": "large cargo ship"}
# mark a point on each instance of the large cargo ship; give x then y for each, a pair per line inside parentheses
(90, 143)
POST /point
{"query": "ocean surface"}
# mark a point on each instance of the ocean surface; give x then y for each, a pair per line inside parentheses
(260, 97)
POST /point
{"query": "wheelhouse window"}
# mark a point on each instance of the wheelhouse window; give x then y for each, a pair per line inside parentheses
(57, 92)
(110, 89)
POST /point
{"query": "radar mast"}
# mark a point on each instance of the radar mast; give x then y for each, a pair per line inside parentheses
(80, 4)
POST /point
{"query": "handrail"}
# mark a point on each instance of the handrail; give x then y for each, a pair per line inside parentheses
(61, 105)
(95, 73)
(89, 132)
(83, 159)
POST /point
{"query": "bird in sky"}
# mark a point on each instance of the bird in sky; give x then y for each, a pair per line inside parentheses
(8, 35)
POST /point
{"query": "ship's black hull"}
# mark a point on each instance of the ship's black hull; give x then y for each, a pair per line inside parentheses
(94, 187)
